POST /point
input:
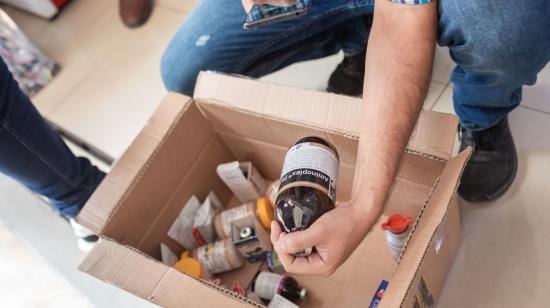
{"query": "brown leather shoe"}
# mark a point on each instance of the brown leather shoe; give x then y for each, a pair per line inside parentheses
(135, 13)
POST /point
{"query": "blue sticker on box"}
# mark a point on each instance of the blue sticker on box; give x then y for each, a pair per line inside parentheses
(378, 295)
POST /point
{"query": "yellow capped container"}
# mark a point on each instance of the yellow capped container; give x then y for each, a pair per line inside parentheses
(189, 266)
(264, 212)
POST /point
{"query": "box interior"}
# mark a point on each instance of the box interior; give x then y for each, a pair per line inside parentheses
(207, 134)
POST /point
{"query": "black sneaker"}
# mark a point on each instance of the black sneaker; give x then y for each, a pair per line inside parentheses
(348, 77)
(493, 165)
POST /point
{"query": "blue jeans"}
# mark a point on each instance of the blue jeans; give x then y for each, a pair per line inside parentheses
(498, 46)
(34, 154)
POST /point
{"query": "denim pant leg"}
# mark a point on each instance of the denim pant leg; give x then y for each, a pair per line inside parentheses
(33, 154)
(213, 38)
(499, 46)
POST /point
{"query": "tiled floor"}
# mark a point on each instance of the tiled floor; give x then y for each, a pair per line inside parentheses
(110, 84)
(46, 287)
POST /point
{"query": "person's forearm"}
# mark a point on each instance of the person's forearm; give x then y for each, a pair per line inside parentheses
(398, 71)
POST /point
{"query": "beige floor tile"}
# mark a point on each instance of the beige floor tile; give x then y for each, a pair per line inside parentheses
(78, 151)
(434, 92)
(312, 74)
(538, 96)
(445, 102)
(505, 258)
(27, 281)
(443, 65)
(32, 25)
(113, 103)
(84, 33)
(182, 5)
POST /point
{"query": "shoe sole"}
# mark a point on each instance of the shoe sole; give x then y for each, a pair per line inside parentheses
(357, 93)
(501, 191)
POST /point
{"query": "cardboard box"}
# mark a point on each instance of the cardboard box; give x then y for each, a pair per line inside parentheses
(176, 155)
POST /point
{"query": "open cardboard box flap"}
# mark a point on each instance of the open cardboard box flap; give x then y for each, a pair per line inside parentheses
(145, 277)
(409, 271)
(433, 135)
(235, 118)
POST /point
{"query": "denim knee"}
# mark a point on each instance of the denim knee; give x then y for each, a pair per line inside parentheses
(503, 39)
(177, 75)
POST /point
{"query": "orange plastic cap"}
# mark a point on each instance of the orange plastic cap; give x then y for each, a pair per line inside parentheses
(264, 210)
(190, 267)
(397, 223)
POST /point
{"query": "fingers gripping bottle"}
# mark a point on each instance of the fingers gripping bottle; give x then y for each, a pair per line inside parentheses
(308, 185)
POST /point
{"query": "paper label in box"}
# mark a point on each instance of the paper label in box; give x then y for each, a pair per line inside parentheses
(243, 180)
(167, 256)
(203, 226)
(182, 228)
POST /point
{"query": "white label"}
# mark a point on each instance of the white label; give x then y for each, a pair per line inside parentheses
(280, 302)
(167, 255)
(181, 229)
(228, 216)
(204, 218)
(396, 242)
(213, 257)
(267, 284)
(232, 174)
(311, 162)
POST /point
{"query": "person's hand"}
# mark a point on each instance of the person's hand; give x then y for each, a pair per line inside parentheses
(335, 235)
(247, 4)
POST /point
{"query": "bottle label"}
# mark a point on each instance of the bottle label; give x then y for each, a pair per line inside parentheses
(213, 257)
(396, 242)
(311, 164)
(267, 284)
(230, 215)
(280, 302)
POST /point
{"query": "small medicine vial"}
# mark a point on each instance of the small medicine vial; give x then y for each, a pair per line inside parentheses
(307, 187)
(396, 230)
(218, 257)
(262, 209)
(267, 284)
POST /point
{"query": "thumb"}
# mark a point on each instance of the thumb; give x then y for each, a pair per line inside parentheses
(298, 241)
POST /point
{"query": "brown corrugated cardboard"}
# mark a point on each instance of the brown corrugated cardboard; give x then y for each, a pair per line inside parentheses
(176, 155)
